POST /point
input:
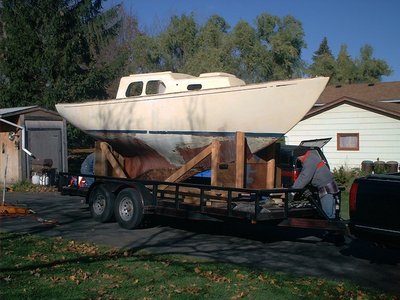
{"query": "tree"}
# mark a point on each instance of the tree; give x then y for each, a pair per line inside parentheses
(178, 42)
(270, 51)
(244, 51)
(370, 69)
(345, 68)
(323, 49)
(323, 61)
(50, 51)
(286, 43)
(212, 45)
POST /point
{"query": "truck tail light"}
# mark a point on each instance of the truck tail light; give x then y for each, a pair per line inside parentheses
(353, 196)
(295, 174)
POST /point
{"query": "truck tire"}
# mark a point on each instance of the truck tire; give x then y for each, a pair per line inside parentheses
(129, 208)
(101, 203)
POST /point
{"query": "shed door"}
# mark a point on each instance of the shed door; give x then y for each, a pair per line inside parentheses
(46, 144)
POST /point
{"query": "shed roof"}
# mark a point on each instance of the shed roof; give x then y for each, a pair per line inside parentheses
(5, 112)
(13, 111)
(383, 98)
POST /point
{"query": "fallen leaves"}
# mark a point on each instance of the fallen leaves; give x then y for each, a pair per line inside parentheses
(37, 257)
(238, 296)
(90, 272)
(35, 272)
(210, 275)
(239, 275)
(81, 248)
(79, 276)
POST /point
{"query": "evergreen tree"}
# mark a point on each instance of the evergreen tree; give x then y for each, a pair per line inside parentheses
(323, 49)
(345, 68)
(323, 61)
(50, 51)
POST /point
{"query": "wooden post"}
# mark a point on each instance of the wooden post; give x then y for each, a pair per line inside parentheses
(240, 159)
(270, 184)
(215, 147)
(101, 165)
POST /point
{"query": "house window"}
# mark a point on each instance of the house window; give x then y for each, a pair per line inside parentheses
(348, 141)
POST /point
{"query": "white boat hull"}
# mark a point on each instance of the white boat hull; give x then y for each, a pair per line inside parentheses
(169, 124)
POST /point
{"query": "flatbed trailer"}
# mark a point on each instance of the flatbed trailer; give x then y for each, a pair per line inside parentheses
(245, 190)
(130, 201)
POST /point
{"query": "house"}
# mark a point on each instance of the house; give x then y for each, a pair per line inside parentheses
(31, 130)
(363, 121)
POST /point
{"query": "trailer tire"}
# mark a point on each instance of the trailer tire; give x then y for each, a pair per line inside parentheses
(129, 208)
(101, 203)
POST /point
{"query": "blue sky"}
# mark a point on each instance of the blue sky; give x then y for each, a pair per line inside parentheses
(351, 22)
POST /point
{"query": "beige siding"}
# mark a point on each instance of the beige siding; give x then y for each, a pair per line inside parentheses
(379, 135)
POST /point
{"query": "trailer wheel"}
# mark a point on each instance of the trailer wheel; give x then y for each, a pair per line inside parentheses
(101, 202)
(129, 208)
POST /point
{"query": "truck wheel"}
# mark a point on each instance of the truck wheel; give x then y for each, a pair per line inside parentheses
(129, 208)
(101, 202)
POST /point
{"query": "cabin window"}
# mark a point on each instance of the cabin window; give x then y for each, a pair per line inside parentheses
(348, 141)
(134, 89)
(194, 87)
(155, 87)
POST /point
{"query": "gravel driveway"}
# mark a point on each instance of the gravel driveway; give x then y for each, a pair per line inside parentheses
(292, 251)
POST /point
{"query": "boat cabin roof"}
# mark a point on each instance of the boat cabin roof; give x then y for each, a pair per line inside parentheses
(169, 82)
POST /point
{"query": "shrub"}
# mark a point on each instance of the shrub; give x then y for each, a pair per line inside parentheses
(26, 186)
(343, 176)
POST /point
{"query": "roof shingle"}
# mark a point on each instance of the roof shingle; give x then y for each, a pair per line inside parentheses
(368, 96)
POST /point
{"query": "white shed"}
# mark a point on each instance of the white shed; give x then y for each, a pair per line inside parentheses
(363, 121)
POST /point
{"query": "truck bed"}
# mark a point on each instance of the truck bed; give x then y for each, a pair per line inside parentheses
(375, 207)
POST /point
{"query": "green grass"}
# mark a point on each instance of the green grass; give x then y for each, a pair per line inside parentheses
(34, 267)
(344, 205)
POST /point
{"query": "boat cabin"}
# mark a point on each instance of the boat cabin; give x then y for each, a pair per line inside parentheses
(168, 82)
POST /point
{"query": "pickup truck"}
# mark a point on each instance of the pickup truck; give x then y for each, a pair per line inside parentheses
(375, 208)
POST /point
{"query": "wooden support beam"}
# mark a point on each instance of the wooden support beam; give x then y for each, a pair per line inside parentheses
(270, 184)
(240, 159)
(215, 155)
(190, 164)
(118, 169)
(100, 165)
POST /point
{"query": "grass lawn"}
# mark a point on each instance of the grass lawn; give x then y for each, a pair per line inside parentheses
(35, 267)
